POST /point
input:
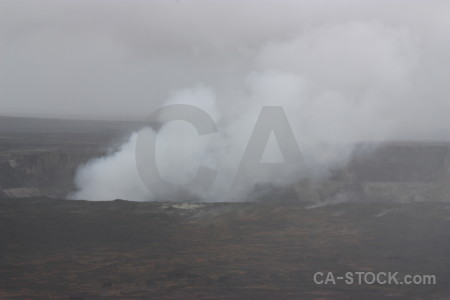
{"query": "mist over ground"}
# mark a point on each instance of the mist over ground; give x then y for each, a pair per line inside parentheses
(345, 72)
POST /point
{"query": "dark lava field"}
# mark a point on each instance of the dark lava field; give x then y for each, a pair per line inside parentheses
(88, 250)
(396, 219)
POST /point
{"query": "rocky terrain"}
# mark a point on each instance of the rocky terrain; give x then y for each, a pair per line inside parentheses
(39, 157)
(387, 211)
(89, 250)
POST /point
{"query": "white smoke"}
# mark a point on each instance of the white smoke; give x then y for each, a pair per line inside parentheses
(340, 83)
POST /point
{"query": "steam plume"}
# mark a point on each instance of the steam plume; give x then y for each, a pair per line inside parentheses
(357, 77)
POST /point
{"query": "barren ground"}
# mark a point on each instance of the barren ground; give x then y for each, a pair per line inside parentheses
(52, 248)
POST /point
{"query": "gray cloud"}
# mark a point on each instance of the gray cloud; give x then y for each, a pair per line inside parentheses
(124, 58)
(345, 72)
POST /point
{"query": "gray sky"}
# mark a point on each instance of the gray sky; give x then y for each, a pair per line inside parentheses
(121, 59)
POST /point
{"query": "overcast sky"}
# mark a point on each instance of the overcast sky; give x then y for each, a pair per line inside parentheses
(121, 59)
